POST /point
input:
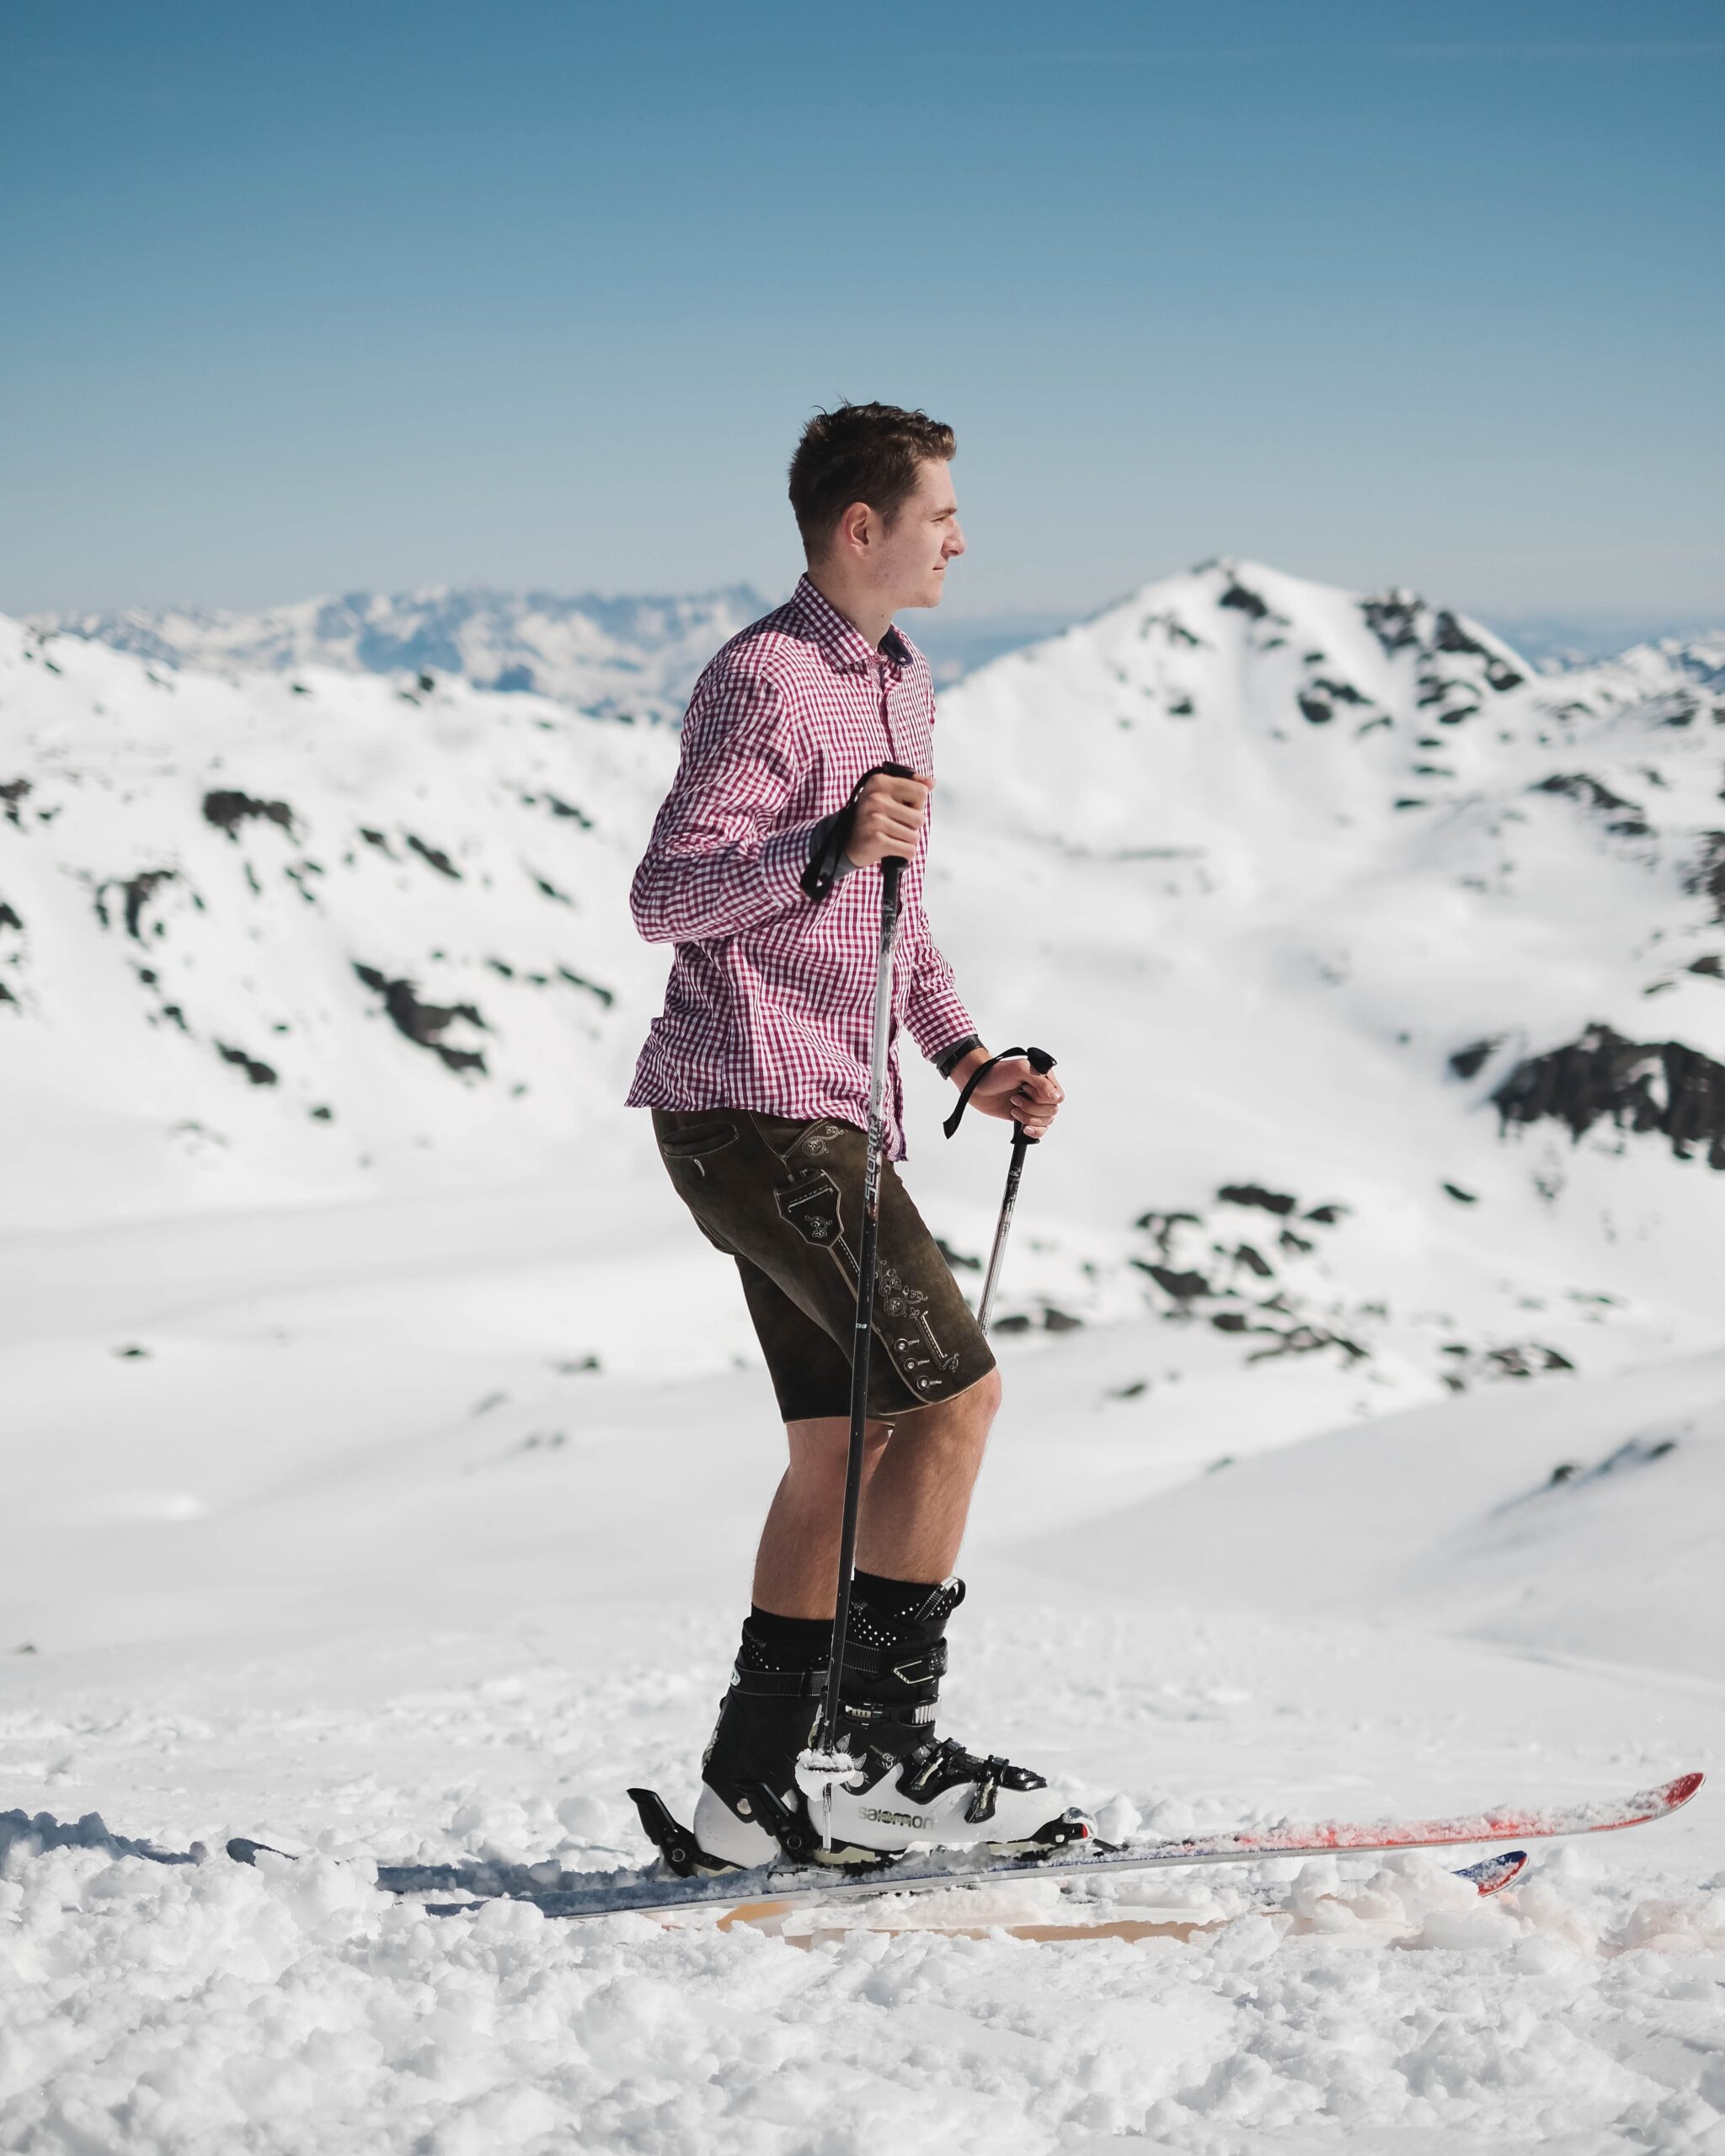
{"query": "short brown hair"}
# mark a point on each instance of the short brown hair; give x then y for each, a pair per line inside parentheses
(861, 453)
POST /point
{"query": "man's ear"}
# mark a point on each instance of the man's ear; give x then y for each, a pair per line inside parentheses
(851, 530)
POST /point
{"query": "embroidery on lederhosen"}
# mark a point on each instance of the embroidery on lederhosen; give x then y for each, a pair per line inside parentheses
(818, 1139)
(906, 1306)
(811, 1206)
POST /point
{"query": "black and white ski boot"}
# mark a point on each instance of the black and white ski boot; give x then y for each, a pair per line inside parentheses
(909, 1788)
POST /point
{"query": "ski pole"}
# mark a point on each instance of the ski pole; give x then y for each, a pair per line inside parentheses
(824, 1764)
(1040, 1060)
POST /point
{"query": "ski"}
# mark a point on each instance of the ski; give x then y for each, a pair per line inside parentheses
(558, 1893)
(653, 1893)
(1488, 1877)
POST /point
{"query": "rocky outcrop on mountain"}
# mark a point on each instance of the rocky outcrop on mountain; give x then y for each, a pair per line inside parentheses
(1662, 1086)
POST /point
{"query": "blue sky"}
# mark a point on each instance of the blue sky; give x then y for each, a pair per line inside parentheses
(309, 297)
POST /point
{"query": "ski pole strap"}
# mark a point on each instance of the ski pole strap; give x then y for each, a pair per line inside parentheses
(1039, 1058)
(830, 836)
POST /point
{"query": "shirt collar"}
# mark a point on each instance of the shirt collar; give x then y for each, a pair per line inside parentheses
(846, 646)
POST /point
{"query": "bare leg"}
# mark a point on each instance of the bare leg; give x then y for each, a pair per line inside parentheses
(918, 1476)
(797, 1567)
(913, 1517)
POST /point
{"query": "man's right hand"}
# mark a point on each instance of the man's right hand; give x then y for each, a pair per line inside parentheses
(890, 814)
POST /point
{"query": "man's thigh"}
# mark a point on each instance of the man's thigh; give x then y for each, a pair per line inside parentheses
(785, 1199)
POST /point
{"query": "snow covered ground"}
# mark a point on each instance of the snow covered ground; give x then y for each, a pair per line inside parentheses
(359, 1498)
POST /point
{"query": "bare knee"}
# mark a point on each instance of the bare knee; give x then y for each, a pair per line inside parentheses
(961, 1422)
(820, 1450)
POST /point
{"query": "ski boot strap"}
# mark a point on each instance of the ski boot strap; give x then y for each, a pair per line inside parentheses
(778, 1683)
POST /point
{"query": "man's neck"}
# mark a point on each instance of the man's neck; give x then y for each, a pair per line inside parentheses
(861, 608)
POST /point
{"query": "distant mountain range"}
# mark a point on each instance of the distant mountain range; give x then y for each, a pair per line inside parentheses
(633, 658)
(1388, 974)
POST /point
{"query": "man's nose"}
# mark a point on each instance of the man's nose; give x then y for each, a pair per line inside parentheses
(955, 542)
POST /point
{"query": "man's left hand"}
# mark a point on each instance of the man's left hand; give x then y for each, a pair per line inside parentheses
(1016, 1092)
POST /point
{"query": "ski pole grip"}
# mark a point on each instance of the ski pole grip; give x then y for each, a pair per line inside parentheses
(893, 863)
(1039, 1060)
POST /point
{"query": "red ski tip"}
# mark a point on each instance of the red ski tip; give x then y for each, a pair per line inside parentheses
(1682, 1791)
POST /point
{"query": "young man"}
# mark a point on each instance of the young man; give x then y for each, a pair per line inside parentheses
(764, 871)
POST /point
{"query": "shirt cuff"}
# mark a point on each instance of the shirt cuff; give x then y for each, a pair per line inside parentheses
(950, 1059)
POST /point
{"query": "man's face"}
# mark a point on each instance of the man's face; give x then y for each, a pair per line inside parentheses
(922, 538)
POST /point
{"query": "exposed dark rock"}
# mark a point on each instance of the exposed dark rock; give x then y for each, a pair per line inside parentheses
(1254, 1262)
(1059, 1320)
(1525, 1362)
(550, 890)
(606, 996)
(136, 893)
(172, 1011)
(1469, 1062)
(1184, 709)
(132, 1354)
(1393, 619)
(1450, 636)
(1580, 788)
(1134, 1390)
(437, 857)
(1462, 1196)
(569, 808)
(228, 810)
(1229, 1321)
(1315, 709)
(957, 1258)
(1708, 878)
(323, 1114)
(1251, 1193)
(12, 793)
(1309, 1340)
(1662, 1086)
(1248, 602)
(1182, 1286)
(9, 917)
(1563, 1471)
(1018, 1323)
(1295, 1246)
(7, 996)
(376, 839)
(422, 1022)
(1326, 1216)
(499, 966)
(1712, 966)
(426, 685)
(260, 1073)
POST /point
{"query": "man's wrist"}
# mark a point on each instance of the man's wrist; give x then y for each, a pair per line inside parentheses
(961, 1059)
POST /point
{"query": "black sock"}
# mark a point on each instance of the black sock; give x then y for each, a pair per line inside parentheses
(894, 1602)
(770, 1641)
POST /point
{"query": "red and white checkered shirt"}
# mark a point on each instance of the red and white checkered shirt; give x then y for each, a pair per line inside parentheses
(770, 1003)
